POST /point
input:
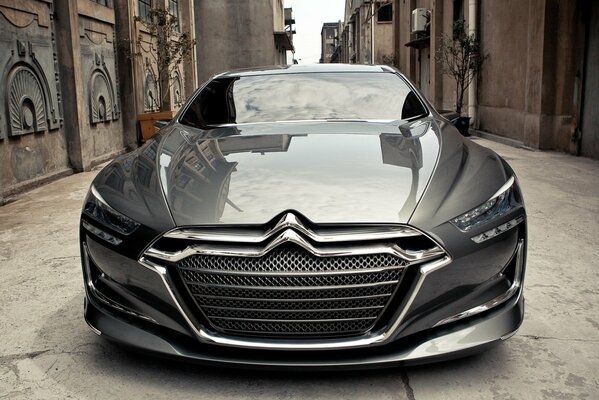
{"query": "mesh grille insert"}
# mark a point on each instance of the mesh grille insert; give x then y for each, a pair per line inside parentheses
(291, 292)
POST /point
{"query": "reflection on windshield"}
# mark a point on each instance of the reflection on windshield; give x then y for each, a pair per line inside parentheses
(300, 97)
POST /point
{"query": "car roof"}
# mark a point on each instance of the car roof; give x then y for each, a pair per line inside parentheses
(305, 68)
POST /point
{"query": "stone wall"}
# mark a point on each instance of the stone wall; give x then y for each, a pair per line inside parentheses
(234, 34)
(528, 87)
(70, 90)
(531, 87)
(32, 137)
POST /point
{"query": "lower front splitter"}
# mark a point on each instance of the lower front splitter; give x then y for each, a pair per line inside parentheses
(449, 342)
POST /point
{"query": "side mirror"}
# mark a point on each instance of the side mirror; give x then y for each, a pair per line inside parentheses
(462, 124)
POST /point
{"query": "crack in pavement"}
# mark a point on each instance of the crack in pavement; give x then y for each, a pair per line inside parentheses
(63, 257)
(11, 361)
(11, 358)
(406, 384)
(15, 392)
(536, 337)
(15, 370)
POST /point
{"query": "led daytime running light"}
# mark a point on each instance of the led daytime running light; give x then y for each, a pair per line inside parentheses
(497, 230)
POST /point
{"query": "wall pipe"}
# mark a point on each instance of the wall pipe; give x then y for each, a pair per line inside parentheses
(372, 60)
(472, 89)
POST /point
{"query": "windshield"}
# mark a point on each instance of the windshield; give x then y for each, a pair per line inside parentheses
(306, 96)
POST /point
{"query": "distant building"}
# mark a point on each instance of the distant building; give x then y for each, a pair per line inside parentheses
(367, 36)
(238, 34)
(329, 35)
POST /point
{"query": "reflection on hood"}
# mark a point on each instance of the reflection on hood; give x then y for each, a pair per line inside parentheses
(329, 172)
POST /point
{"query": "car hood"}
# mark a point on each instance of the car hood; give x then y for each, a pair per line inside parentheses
(330, 172)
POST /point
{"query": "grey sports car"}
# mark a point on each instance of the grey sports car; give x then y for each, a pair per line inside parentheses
(306, 216)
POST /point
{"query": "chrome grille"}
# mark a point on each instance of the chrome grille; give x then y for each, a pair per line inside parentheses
(296, 281)
(291, 292)
(289, 259)
(284, 294)
(319, 328)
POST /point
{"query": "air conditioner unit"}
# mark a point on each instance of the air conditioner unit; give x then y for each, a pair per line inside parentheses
(420, 19)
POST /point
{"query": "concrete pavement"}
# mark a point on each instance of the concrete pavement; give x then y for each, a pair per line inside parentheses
(48, 352)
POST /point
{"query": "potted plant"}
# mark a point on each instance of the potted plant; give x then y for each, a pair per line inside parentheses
(164, 49)
(460, 57)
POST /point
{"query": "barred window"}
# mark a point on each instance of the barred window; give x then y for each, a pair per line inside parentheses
(385, 13)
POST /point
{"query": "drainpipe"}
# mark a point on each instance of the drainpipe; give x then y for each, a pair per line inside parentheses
(472, 30)
(372, 32)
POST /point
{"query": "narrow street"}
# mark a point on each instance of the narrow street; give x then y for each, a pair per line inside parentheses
(48, 352)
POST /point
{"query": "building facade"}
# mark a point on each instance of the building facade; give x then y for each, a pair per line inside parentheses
(233, 34)
(537, 87)
(77, 73)
(71, 88)
(367, 36)
(329, 36)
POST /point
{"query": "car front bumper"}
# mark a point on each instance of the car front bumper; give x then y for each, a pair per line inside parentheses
(450, 341)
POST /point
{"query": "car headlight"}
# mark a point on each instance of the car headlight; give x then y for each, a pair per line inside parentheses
(499, 204)
(96, 208)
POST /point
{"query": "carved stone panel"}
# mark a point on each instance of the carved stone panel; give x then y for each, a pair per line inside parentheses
(177, 88)
(26, 102)
(99, 69)
(101, 98)
(29, 84)
(150, 93)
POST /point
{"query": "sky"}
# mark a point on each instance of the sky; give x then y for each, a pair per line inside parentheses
(309, 16)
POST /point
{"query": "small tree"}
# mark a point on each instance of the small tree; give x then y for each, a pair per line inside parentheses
(460, 57)
(167, 48)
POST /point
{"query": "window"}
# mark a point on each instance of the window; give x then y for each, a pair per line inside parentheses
(173, 9)
(144, 10)
(385, 13)
(101, 2)
(458, 10)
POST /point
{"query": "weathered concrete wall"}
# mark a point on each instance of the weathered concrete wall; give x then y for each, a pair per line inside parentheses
(278, 20)
(89, 81)
(102, 129)
(502, 92)
(69, 91)
(590, 113)
(384, 44)
(530, 88)
(527, 87)
(384, 37)
(407, 55)
(32, 138)
(563, 62)
(183, 81)
(131, 92)
(233, 34)
(189, 68)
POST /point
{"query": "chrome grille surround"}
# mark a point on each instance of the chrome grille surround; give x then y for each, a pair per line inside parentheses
(291, 286)
(290, 269)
